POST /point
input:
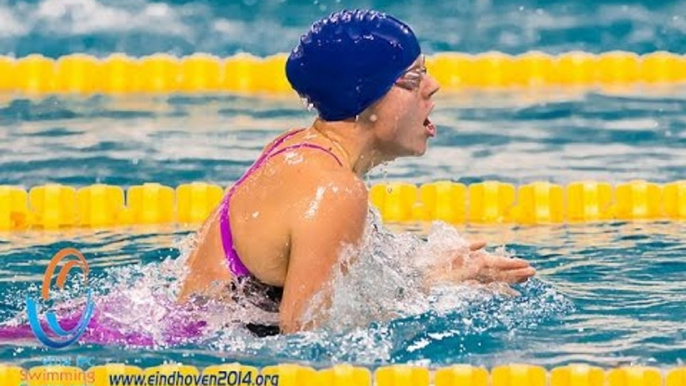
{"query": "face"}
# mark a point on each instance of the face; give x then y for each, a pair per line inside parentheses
(400, 120)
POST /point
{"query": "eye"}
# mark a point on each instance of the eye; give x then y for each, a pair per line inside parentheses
(417, 73)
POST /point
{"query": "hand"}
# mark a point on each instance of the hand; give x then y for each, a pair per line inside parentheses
(487, 268)
(482, 267)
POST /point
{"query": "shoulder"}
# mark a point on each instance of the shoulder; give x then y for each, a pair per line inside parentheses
(330, 191)
(314, 173)
(328, 217)
(327, 200)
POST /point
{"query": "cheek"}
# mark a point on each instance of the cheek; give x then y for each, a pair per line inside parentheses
(410, 118)
(400, 119)
(393, 121)
(400, 125)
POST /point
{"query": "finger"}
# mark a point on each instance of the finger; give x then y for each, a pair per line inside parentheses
(504, 289)
(506, 263)
(518, 275)
(511, 292)
(476, 245)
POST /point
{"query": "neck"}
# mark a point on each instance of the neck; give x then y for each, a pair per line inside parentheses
(355, 141)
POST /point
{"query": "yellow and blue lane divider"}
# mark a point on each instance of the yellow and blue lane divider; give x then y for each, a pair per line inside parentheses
(343, 375)
(245, 73)
(55, 206)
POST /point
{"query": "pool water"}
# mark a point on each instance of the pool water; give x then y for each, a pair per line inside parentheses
(606, 294)
(264, 27)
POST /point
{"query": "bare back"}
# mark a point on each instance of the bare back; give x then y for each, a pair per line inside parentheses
(262, 214)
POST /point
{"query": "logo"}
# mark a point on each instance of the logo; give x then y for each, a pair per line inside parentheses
(64, 337)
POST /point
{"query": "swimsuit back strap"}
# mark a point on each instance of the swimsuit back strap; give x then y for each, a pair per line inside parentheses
(306, 145)
(236, 266)
(266, 154)
(238, 269)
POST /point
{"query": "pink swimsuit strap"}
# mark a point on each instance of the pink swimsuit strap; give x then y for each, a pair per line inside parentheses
(236, 266)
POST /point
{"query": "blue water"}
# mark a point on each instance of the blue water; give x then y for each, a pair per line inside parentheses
(514, 138)
(139, 27)
(607, 294)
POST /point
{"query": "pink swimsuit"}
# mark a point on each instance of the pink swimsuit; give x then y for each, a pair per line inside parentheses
(238, 269)
(245, 286)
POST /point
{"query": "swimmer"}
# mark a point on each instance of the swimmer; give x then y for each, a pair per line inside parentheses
(281, 228)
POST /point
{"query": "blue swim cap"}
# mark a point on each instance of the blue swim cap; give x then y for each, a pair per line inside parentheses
(349, 60)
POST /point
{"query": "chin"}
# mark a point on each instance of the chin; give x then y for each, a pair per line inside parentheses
(420, 151)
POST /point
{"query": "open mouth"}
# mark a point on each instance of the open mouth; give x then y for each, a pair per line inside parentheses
(430, 128)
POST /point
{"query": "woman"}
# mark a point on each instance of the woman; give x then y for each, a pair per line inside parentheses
(281, 228)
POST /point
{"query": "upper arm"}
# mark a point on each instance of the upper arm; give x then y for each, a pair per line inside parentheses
(331, 216)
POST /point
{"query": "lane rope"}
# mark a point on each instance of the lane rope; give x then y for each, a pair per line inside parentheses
(54, 206)
(245, 73)
(344, 374)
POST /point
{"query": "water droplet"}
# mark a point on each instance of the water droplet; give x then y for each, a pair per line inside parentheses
(373, 118)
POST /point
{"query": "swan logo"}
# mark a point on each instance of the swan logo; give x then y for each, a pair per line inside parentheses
(63, 337)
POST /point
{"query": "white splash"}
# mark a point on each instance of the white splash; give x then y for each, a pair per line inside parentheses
(293, 158)
(379, 305)
(394, 288)
(314, 205)
(385, 279)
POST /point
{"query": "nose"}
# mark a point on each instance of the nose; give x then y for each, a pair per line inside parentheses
(432, 86)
